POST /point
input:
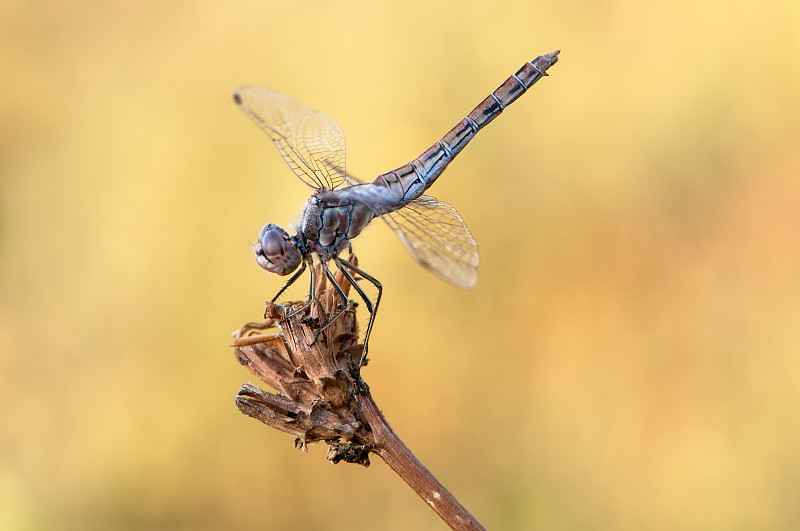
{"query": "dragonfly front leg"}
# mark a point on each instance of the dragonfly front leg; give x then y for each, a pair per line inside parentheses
(344, 265)
(311, 294)
(291, 281)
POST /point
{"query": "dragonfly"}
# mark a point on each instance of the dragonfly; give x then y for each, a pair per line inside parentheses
(340, 207)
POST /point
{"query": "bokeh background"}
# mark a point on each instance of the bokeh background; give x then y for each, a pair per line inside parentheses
(630, 358)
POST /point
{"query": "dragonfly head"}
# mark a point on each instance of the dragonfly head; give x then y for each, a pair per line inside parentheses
(276, 251)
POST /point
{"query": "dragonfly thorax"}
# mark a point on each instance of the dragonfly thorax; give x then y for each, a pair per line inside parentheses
(276, 251)
(327, 224)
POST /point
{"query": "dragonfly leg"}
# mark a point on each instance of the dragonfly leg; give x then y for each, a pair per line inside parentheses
(311, 295)
(373, 310)
(340, 292)
(290, 281)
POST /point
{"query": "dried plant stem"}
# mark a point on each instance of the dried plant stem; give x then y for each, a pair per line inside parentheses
(312, 363)
(397, 455)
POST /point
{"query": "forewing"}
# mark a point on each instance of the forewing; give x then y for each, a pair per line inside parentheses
(310, 141)
(436, 236)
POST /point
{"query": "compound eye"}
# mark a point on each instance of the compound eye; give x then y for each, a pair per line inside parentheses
(279, 253)
(272, 243)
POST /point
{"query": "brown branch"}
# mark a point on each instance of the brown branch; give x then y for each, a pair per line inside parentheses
(311, 362)
(407, 466)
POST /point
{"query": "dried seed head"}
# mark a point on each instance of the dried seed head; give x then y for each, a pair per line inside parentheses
(311, 362)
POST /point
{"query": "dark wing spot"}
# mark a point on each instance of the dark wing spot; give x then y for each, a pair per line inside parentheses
(237, 98)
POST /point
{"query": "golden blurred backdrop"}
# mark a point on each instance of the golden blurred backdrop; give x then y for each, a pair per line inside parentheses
(630, 358)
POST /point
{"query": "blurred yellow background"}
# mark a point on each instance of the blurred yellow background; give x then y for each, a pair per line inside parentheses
(630, 358)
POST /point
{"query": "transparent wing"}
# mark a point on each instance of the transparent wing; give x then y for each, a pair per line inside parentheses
(436, 236)
(310, 141)
(349, 178)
